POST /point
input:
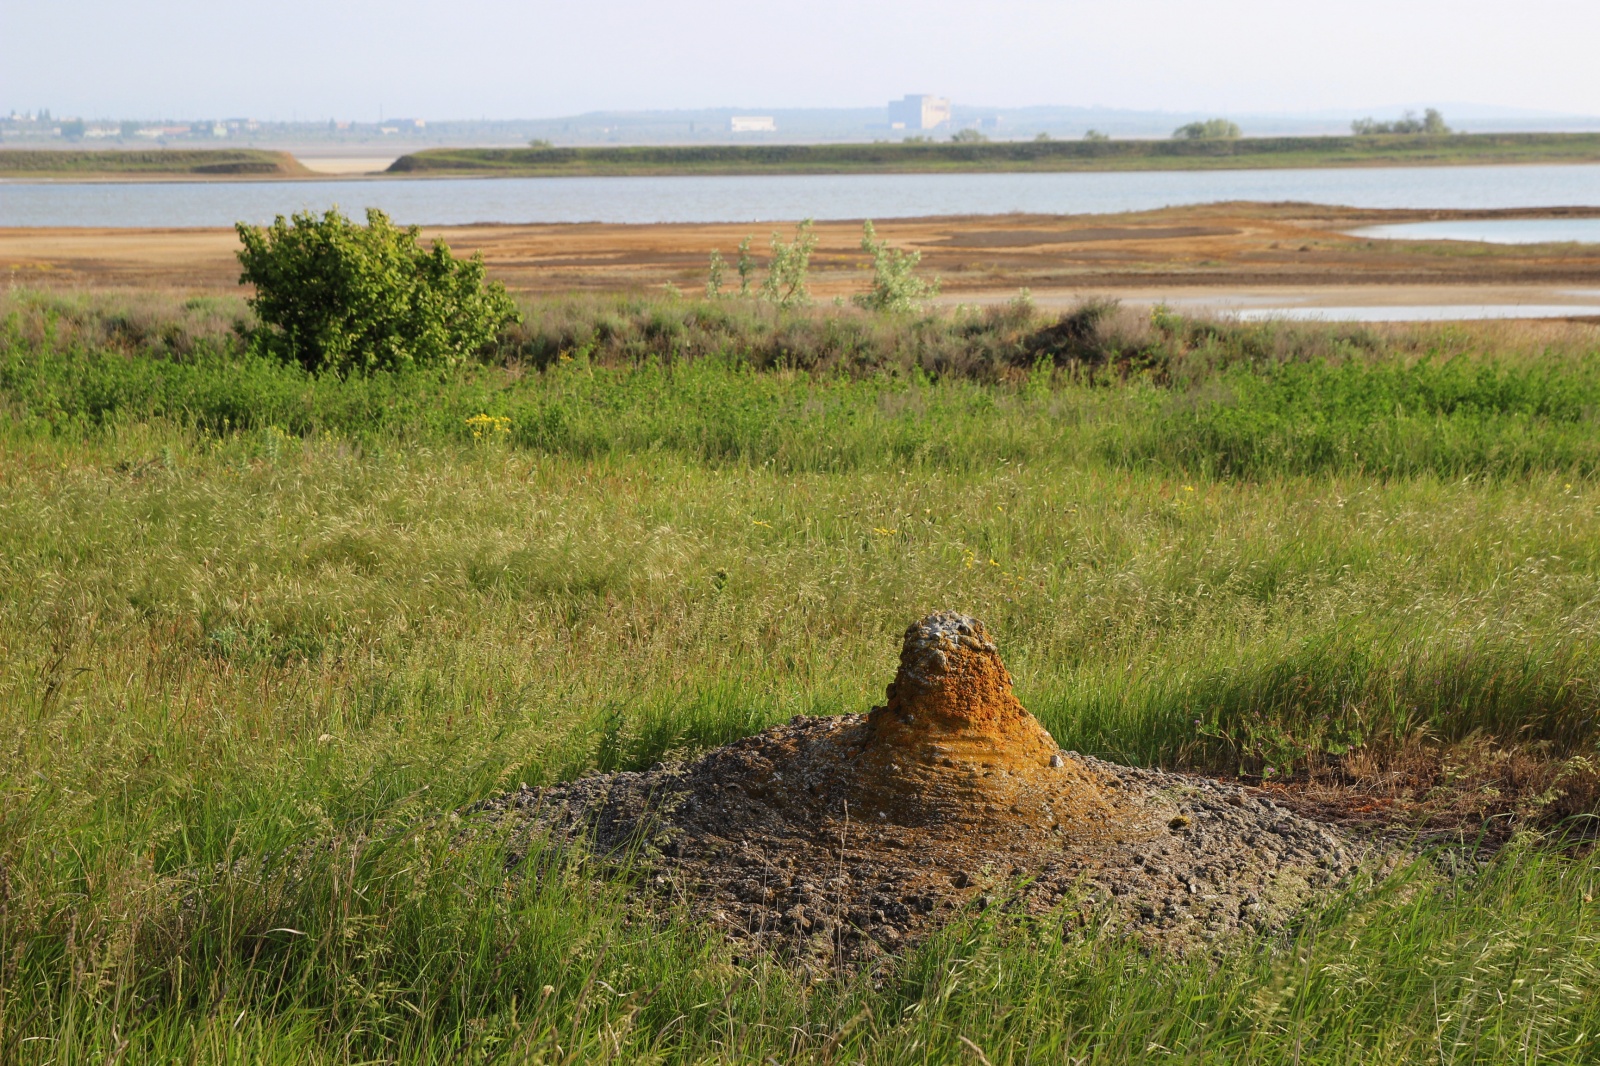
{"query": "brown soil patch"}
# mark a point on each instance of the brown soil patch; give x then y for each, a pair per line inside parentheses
(839, 838)
(1476, 794)
(1024, 238)
(982, 257)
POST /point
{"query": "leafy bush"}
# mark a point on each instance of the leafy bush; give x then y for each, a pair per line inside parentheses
(334, 295)
(747, 267)
(895, 286)
(1214, 129)
(714, 278)
(786, 274)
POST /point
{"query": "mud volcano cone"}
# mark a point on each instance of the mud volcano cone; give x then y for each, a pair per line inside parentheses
(951, 702)
(845, 836)
(954, 744)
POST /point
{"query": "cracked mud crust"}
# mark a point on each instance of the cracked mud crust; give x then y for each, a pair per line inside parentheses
(843, 837)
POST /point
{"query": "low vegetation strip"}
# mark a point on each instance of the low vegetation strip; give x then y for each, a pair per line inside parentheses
(1503, 422)
(1175, 154)
(196, 162)
(733, 382)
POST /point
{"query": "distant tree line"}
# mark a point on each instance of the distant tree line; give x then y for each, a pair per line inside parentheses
(1431, 123)
(1213, 129)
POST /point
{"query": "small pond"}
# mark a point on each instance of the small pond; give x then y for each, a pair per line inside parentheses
(1418, 312)
(1491, 231)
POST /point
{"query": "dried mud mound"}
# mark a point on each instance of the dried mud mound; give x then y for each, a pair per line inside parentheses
(842, 837)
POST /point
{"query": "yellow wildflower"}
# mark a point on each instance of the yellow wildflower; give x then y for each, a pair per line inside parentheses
(489, 426)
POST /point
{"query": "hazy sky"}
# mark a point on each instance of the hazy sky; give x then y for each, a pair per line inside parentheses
(534, 58)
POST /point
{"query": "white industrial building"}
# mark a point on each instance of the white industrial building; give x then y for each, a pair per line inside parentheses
(919, 112)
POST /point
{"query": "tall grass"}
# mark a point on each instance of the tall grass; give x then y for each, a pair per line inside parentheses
(261, 633)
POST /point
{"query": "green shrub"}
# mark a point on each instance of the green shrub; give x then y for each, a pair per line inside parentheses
(747, 267)
(334, 295)
(895, 285)
(786, 274)
(714, 278)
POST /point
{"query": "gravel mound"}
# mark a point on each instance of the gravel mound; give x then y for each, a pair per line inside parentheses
(836, 839)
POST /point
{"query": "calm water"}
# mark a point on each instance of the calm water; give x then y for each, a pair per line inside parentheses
(1493, 231)
(1419, 312)
(755, 199)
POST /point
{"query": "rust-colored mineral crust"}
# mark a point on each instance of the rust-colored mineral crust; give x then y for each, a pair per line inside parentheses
(953, 745)
(951, 702)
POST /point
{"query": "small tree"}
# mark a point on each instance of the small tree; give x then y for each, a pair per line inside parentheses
(714, 278)
(895, 286)
(786, 274)
(970, 136)
(1213, 129)
(746, 267)
(335, 295)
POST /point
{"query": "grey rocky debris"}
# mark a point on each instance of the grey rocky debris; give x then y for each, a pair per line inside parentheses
(840, 838)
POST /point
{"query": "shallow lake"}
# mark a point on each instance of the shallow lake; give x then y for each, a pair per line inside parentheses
(1418, 312)
(1492, 231)
(448, 201)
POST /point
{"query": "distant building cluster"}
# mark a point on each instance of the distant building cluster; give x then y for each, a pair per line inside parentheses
(752, 124)
(42, 125)
(36, 126)
(919, 112)
(389, 127)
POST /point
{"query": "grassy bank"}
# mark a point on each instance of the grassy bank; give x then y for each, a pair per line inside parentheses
(1244, 153)
(243, 608)
(135, 163)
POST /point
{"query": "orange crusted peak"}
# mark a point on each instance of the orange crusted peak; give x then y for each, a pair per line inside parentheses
(952, 701)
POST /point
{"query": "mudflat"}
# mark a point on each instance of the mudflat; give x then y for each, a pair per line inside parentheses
(1187, 252)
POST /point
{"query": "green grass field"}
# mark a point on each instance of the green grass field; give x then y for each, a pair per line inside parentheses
(1244, 153)
(261, 632)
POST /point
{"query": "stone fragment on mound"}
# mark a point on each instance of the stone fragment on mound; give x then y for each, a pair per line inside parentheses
(845, 836)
